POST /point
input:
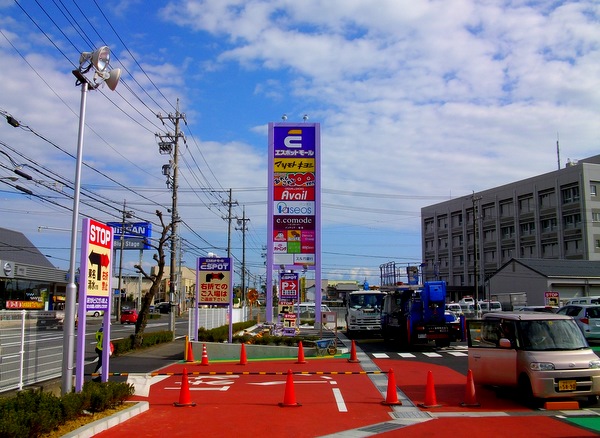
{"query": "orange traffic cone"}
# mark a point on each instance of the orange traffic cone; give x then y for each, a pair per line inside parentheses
(300, 353)
(243, 359)
(353, 358)
(430, 398)
(184, 395)
(289, 398)
(392, 394)
(190, 353)
(470, 399)
(204, 355)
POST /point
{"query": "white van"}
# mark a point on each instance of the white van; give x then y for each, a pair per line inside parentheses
(490, 306)
(543, 355)
(307, 310)
(583, 300)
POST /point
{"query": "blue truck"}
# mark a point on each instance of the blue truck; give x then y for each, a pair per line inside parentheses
(414, 315)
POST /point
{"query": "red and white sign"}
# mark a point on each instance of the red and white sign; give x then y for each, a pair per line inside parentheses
(289, 286)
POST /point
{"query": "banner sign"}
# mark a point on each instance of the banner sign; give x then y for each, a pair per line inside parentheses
(293, 201)
(213, 280)
(289, 287)
(95, 265)
(137, 235)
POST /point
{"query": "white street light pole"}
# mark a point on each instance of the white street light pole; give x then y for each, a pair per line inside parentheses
(71, 291)
(98, 61)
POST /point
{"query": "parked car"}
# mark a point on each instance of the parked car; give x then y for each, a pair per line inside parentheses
(129, 316)
(490, 306)
(587, 318)
(542, 355)
(547, 309)
(163, 307)
(454, 308)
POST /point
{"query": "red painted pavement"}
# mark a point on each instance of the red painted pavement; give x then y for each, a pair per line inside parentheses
(248, 405)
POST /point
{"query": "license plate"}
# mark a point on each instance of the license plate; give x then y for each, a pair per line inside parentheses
(567, 385)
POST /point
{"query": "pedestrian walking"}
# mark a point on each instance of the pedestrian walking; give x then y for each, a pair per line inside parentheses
(99, 342)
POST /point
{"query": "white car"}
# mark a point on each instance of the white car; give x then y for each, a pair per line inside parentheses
(586, 316)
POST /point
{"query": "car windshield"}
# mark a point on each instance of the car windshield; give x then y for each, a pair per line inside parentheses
(546, 335)
(366, 301)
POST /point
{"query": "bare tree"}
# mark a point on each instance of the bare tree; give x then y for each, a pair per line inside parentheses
(154, 277)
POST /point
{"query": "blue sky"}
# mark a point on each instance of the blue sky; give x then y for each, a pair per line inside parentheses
(418, 101)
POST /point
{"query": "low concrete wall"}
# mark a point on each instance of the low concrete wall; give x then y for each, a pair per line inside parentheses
(226, 351)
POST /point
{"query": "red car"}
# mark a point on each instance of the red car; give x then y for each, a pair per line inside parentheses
(129, 316)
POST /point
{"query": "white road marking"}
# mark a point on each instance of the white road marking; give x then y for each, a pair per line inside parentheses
(432, 354)
(406, 355)
(380, 355)
(339, 400)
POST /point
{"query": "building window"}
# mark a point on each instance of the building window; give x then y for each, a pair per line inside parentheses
(488, 211)
(573, 247)
(528, 251)
(549, 225)
(549, 250)
(507, 254)
(570, 194)
(442, 222)
(458, 260)
(597, 243)
(457, 241)
(457, 220)
(429, 245)
(506, 209)
(593, 188)
(443, 243)
(489, 256)
(429, 226)
(572, 220)
(528, 228)
(595, 216)
(508, 232)
(459, 280)
(526, 205)
(489, 235)
(547, 200)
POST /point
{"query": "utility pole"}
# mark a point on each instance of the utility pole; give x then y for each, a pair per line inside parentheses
(126, 214)
(242, 223)
(475, 201)
(169, 144)
(229, 218)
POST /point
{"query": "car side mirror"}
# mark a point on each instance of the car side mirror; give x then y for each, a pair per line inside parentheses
(505, 343)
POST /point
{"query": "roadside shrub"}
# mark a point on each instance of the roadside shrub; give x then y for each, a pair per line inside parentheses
(125, 345)
(35, 413)
(221, 334)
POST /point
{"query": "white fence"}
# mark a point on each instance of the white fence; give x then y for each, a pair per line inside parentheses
(29, 356)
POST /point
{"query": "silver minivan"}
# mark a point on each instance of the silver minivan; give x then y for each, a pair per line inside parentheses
(544, 355)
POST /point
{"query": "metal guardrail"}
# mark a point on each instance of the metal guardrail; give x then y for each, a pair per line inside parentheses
(29, 356)
(26, 359)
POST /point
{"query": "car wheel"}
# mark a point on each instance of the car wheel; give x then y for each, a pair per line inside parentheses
(526, 393)
(96, 314)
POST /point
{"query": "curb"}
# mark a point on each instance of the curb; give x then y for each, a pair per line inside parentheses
(89, 430)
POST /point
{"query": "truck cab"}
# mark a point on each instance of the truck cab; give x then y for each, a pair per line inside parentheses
(363, 311)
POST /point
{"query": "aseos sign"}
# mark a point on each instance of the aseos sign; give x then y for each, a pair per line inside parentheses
(96, 265)
(294, 185)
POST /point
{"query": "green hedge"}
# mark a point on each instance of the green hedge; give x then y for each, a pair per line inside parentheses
(33, 413)
(125, 345)
(221, 334)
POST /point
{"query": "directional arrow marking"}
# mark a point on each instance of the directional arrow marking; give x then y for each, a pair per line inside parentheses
(215, 276)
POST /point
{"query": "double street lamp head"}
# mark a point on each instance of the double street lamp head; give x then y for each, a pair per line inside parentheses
(98, 60)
